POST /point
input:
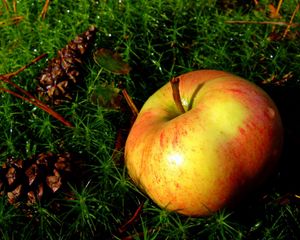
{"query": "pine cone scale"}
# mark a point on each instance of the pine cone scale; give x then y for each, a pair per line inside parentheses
(11, 175)
(32, 173)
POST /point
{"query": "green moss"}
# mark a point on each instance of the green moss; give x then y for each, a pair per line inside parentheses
(159, 39)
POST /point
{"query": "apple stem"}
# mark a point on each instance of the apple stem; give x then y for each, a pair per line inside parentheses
(176, 94)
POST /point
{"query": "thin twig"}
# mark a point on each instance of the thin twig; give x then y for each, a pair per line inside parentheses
(30, 98)
(11, 21)
(6, 5)
(139, 235)
(124, 227)
(32, 101)
(40, 105)
(13, 74)
(45, 9)
(278, 7)
(291, 21)
(130, 103)
(277, 12)
(16, 95)
(15, 6)
(263, 23)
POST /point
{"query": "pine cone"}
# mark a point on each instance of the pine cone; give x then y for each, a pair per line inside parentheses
(65, 71)
(28, 181)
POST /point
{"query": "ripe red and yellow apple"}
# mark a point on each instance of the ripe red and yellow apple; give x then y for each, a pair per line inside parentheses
(224, 144)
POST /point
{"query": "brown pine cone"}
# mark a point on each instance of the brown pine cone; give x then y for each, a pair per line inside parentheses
(28, 181)
(65, 71)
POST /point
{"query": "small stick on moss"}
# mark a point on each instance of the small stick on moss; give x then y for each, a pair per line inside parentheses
(30, 98)
(124, 227)
(140, 235)
(263, 23)
(35, 102)
(276, 13)
(39, 105)
(15, 73)
(11, 21)
(176, 93)
(6, 5)
(45, 9)
(15, 6)
(130, 103)
(291, 21)
(278, 7)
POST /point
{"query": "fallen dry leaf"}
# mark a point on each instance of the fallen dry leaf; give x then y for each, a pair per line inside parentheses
(111, 61)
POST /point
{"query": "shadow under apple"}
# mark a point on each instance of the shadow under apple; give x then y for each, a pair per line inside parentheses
(287, 100)
(271, 202)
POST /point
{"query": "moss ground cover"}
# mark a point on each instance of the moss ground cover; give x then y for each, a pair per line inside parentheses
(158, 40)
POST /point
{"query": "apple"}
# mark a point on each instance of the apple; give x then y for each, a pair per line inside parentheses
(204, 141)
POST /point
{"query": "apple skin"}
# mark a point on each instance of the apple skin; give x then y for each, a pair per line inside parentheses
(225, 145)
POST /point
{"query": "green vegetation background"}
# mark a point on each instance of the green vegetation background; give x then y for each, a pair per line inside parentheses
(159, 39)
